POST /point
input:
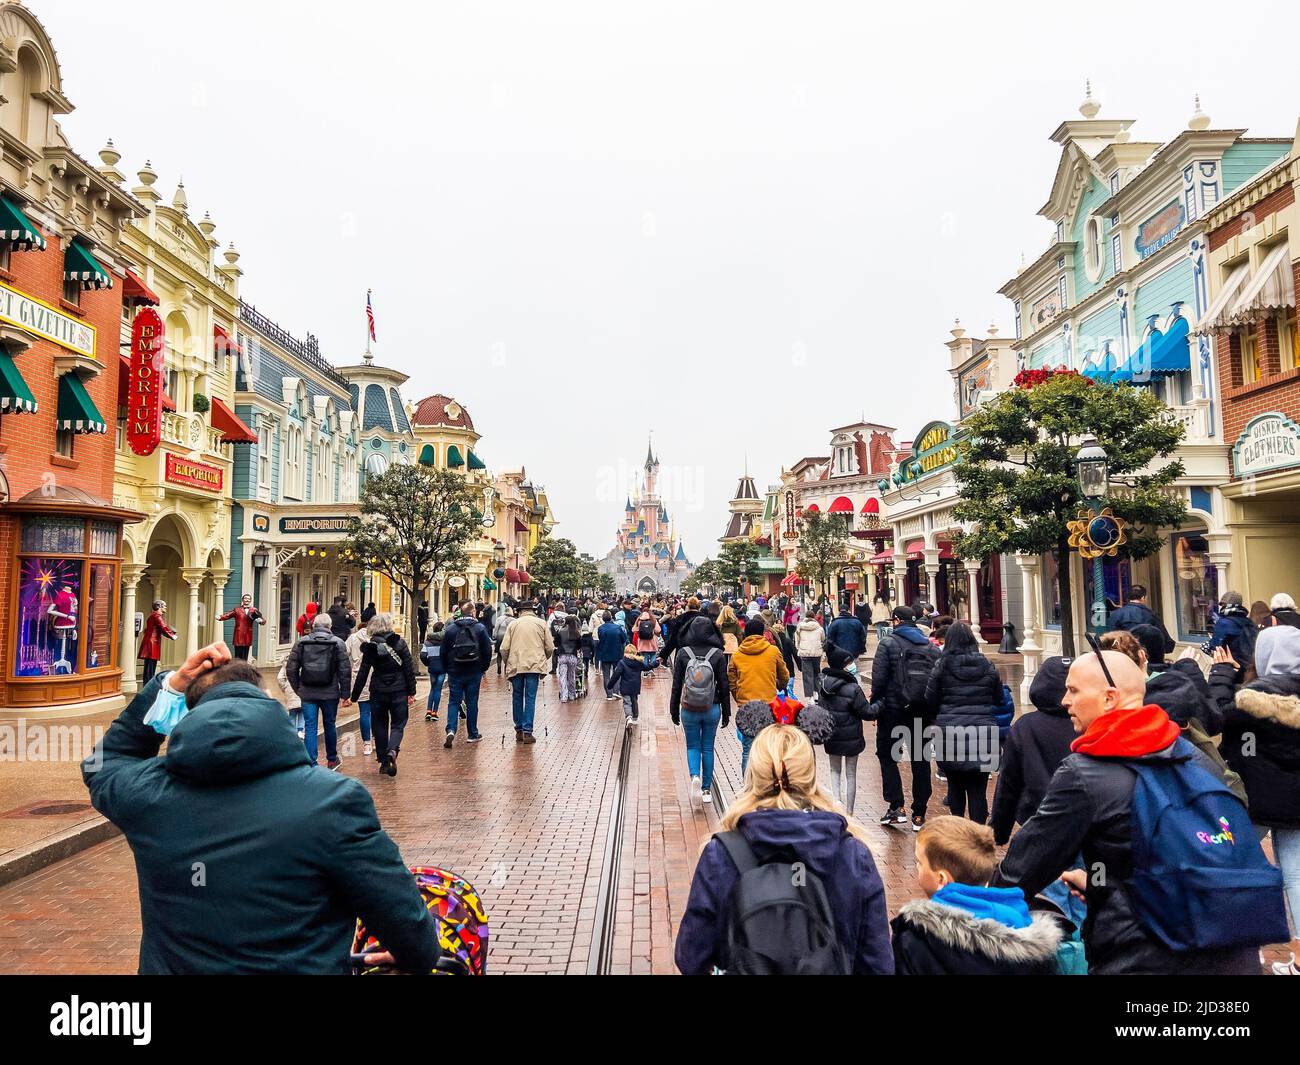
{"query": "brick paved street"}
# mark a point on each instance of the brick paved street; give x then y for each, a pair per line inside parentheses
(527, 826)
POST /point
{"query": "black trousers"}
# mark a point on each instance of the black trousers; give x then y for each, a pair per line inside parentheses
(607, 675)
(969, 790)
(242, 652)
(388, 719)
(150, 668)
(811, 669)
(891, 779)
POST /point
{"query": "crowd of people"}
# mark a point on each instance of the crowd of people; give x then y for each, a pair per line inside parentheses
(1132, 800)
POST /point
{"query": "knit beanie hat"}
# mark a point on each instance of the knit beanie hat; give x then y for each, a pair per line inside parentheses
(840, 658)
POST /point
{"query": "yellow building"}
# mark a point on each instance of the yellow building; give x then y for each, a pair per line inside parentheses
(180, 553)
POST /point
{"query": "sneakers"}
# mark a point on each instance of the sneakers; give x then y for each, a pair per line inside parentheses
(1286, 968)
(894, 816)
(368, 749)
(390, 764)
(451, 738)
(629, 722)
(529, 739)
(696, 790)
(430, 716)
(918, 823)
(475, 739)
(707, 798)
(333, 765)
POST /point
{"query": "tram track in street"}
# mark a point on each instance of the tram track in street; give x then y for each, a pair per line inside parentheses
(601, 958)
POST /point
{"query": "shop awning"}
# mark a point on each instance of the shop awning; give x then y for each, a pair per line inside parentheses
(1269, 291)
(224, 344)
(80, 265)
(1105, 370)
(1215, 320)
(915, 551)
(136, 293)
(17, 230)
(77, 411)
(793, 581)
(521, 526)
(512, 576)
(871, 506)
(525, 577)
(15, 396)
(454, 459)
(489, 585)
(843, 505)
(812, 509)
(884, 558)
(426, 455)
(1160, 355)
(231, 426)
(476, 463)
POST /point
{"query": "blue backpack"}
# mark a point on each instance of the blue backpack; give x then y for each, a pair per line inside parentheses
(1200, 878)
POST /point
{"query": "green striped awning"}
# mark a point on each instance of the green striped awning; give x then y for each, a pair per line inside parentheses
(476, 463)
(426, 455)
(15, 396)
(77, 411)
(489, 585)
(80, 265)
(454, 460)
(17, 229)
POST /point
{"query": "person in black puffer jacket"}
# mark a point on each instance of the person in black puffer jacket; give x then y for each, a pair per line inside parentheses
(966, 689)
(1037, 745)
(386, 662)
(1261, 741)
(842, 697)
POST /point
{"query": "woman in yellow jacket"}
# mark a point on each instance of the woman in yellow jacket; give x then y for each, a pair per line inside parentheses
(757, 671)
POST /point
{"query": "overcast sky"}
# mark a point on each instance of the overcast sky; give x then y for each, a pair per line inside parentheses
(736, 225)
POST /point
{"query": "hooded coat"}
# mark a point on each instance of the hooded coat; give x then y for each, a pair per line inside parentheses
(387, 666)
(701, 636)
(822, 841)
(1000, 938)
(1261, 741)
(965, 689)
(295, 854)
(1131, 615)
(1036, 746)
(1235, 631)
(1088, 811)
(757, 671)
(810, 640)
(843, 698)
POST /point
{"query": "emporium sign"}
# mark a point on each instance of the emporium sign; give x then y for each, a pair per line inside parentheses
(33, 316)
(144, 383)
(308, 526)
(1160, 228)
(1269, 442)
(193, 474)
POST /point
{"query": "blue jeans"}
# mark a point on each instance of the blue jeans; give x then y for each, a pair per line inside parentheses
(329, 710)
(745, 743)
(464, 688)
(1286, 849)
(700, 728)
(363, 708)
(436, 681)
(650, 658)
(524, 699)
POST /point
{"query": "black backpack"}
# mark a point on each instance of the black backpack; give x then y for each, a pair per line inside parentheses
(915, 664)
(646, 629)
(464, 646)
(779, 921)
(319, 668)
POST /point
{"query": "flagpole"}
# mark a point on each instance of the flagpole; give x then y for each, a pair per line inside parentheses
(369, 293)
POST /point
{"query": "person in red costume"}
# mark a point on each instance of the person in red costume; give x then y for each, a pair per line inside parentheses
(307, 619)
(245, 617)
(155, 629)
(1088, 811)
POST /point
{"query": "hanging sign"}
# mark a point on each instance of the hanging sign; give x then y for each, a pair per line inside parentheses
(144, 383)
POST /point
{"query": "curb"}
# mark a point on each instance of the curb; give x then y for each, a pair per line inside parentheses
(25, 861)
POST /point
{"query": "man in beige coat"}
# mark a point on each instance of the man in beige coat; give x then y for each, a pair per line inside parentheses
(526, 648)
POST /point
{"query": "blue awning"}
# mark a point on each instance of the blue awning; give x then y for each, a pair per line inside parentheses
(1161, 355)
(1106, 370)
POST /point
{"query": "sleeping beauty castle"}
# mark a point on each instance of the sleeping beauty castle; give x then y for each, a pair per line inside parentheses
(648, 558)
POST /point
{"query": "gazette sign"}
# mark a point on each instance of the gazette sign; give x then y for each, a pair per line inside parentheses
(33, 316)
(1269, 442)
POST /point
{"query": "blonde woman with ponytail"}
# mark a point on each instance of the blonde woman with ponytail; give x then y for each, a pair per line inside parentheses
(781, 811)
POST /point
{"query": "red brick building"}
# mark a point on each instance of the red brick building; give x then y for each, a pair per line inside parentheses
(1254, 271)
(61, 294)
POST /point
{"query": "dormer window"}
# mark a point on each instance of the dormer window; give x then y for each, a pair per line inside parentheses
(1094, 249)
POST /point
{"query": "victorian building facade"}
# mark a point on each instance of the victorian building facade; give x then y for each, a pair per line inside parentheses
(62, 275)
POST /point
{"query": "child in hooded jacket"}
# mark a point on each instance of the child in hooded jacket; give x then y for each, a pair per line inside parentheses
(626, 681)
(842, 696)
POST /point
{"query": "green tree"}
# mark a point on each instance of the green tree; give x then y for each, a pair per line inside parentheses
(729, 562)
(823, 547)
(604, 584)
(1018, 482)
(706, 573)
(414, 522)
(554, 566)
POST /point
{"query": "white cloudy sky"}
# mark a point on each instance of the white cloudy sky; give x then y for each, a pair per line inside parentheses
(735, 224)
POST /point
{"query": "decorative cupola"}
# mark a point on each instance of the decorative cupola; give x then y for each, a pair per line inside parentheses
(1091, 106)
(110, 157)
(1200, 120)
(145, 192)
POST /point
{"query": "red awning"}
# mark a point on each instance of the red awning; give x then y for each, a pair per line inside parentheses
(885, 558)
(793, 581)
(231, 426)
(813, 509)
(512, 576)
(945, 552)
(915, 551)
(871, 506)
(521, 526)
(136, 293)
(524, 578)
(843, 505)
(223, 345)
(124, 385)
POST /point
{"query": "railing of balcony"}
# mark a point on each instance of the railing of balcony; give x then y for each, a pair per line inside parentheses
(308, 350)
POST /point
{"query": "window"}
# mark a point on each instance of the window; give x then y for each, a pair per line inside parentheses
(174, 385)
(5, 250)
(1117, 252)
(1114, 183)
(1051, 591)
(1017, 319)
(1094, 256)
(63, 439)
(1117, 576)
(1061, 293)
(1250, 367)
(1060, 231)
(286, 619)
(72, 292)
(1288, 340)
(263, 452)
(1196, 584)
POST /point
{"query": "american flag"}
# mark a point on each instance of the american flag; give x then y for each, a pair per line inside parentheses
(370, 316)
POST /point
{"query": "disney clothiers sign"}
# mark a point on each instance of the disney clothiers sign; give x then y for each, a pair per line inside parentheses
(1269, 442)
(144, 383)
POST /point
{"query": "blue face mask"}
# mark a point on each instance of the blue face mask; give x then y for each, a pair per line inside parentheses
(167, 711)
(852, 668)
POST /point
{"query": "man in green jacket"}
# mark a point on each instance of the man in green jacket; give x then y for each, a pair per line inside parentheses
(250, 858)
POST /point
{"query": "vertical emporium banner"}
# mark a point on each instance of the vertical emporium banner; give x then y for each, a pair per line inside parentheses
(144, 383)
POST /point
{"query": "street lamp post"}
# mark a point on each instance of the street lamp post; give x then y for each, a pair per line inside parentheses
(744, 579)
(1094, 484)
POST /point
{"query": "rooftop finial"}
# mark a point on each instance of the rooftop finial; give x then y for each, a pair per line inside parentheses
(1090, 106)
(1199, 120)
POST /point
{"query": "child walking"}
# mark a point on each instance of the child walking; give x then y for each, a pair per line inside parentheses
(626, 681)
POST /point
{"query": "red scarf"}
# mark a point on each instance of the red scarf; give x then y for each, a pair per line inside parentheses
(1128, 733)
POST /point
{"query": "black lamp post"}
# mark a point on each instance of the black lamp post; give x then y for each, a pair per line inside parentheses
(1094, 484)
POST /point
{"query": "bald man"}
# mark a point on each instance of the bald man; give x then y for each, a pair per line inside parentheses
(1087, 811)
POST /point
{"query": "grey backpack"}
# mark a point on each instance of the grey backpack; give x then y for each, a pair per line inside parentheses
(699, 684)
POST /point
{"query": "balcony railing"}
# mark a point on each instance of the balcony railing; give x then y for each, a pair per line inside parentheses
(1192, 416)
(308, 350)
(190, 431)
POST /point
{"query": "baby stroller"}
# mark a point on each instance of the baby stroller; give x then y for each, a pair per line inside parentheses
(462, 927)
